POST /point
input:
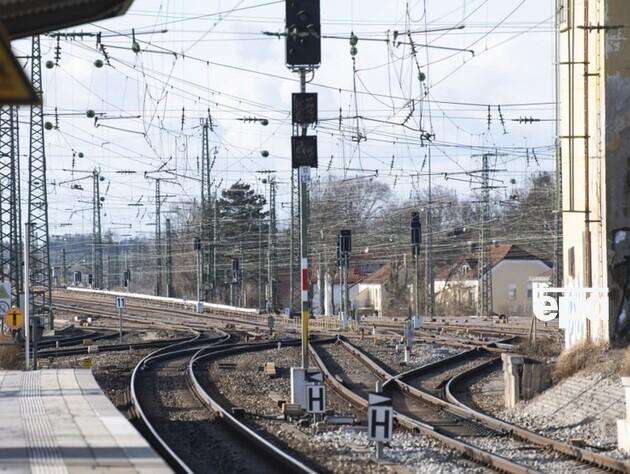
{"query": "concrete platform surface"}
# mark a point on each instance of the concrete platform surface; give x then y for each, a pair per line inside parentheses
(60, 421)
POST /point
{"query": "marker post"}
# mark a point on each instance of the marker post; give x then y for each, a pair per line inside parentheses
(379, 444)
(120, 305)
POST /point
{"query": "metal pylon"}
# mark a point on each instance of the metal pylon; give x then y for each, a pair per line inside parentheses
(39, 248)
(97, 234)
(207, 221)
(170, 288)
(272, 277)
(484, 269)
(158, 238)
(10, 216)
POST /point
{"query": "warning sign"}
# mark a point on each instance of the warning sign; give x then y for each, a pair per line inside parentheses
(14, 319)
(15, 88)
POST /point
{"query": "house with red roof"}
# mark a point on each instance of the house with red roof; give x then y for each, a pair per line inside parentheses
(513, 271)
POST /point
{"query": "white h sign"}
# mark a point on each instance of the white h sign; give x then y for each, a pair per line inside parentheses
(315, 398)
(380, 418)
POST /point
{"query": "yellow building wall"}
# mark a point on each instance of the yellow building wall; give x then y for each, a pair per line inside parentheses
(510, 285)
(582, 129)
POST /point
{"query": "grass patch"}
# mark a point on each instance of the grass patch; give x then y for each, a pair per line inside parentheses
(581, 356)
(10, 355)
(624, 365)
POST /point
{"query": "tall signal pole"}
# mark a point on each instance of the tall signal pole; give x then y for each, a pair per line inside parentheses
(10, 218)
(303, 54)
(416, 239)
(97, 231)
(294, 233)
(39, 269)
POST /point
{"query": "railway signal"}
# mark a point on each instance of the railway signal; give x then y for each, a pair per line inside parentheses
(303, 54)
(303, 26)
(344, 247)
(416, 240)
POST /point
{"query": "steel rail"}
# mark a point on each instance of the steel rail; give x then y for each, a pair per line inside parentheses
(471, 452)
(165, 352)
(209, 317)
(580, 454)
(467, 413)
(289, 461)
(111, 347)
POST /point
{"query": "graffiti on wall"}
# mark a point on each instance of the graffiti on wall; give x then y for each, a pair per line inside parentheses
(574, 306)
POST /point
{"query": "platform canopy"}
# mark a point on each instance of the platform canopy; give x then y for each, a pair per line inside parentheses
(23, 18)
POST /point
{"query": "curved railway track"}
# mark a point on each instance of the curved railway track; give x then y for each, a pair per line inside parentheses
(411, 392)
(214, 436)
(355, 392)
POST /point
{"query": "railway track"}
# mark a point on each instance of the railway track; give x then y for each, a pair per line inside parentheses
(188, 425)
(354, 385)
(411, 393)
(251, 319)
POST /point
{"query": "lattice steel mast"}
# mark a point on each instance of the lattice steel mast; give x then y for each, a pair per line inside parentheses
(97, 232)
(158, 238)
(484, 302)
(10, 218)
(207, 232)
(272, 277)
(39, 248)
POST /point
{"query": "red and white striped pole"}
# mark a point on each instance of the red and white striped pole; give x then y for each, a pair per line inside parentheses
(305, 311)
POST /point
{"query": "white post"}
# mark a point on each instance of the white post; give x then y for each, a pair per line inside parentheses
(27, 297)
(379, 445)
(120, 324)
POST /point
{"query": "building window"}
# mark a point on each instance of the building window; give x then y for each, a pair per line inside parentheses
(529, 290)
(512, 292)
(572, 262)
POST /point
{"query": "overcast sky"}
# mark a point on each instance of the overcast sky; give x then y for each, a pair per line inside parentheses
(214, 58)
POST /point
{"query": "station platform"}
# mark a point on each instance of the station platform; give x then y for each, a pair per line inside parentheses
(60, 421)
